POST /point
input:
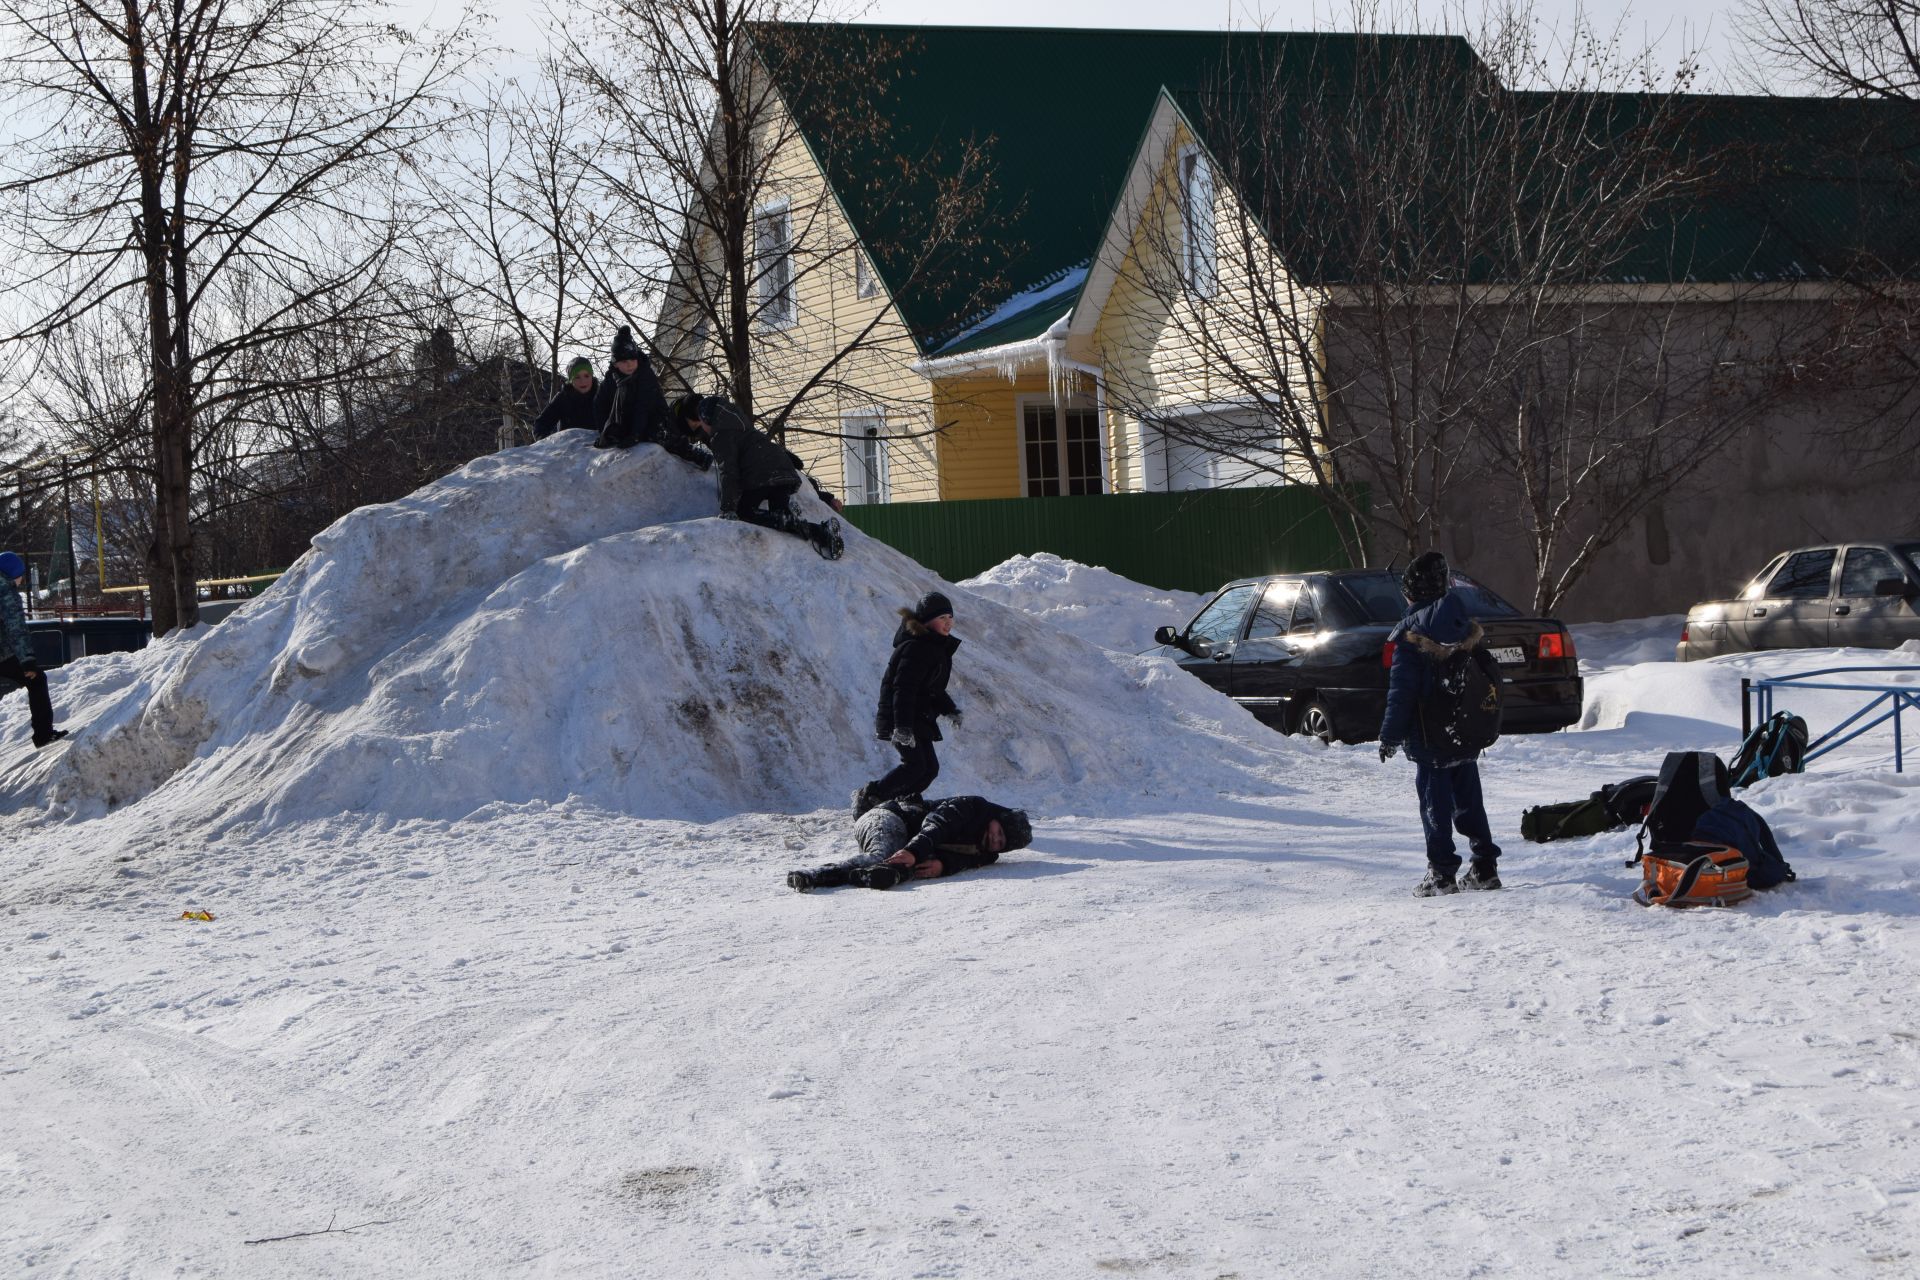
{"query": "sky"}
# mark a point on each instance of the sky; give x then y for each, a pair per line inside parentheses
(1670, 28)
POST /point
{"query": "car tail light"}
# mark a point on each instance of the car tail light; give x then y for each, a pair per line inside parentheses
(1684, 628)
(1386, 653)
(1555, 644)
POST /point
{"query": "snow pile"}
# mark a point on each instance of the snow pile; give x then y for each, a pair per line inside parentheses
(559, 622)
(1601, 645)
(1097, 605)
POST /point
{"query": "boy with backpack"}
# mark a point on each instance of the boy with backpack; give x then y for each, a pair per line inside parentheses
(1433, 645)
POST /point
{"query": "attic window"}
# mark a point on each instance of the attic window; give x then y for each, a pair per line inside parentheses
(1199, 255)
(865, 284)
(773, 257)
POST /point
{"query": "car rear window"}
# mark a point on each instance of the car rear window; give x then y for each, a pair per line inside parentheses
(1378, 599)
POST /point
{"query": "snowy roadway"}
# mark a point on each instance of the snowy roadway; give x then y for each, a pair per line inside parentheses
(1191, 1034)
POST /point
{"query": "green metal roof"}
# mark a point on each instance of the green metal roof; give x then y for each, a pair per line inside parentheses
(1060, 111)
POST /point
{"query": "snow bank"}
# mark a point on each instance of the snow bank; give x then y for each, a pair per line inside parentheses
(1095, 604)
(559, 622)
(1611, 644)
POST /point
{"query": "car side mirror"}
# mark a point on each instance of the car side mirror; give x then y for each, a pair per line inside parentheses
(1895, 587)
(1167, 635)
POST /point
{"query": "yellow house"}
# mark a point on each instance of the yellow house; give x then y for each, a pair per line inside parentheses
(1045, 386)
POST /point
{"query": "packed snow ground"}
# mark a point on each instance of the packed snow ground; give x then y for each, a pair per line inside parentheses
(1097, 605)
(1198, 1033)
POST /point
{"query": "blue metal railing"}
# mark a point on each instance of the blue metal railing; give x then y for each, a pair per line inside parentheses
(1757, 695)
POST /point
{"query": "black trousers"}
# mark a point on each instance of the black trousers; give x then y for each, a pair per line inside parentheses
(778, 515)
(39, 705)
(917, 769)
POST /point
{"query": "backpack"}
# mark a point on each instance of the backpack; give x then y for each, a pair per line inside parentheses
(1692, 873)
(1731, 822)
(1778, 746)
(1616, 805)
(1461, 712)
(1690, 783)
(1566, 821)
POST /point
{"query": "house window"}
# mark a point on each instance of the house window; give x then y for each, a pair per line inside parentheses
(865, 284)
(773, 256)
(864, 457)
(1060, 448)
(1199, 265)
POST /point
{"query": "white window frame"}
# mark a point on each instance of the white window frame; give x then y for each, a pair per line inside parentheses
(865, 283)
(773, 279)
(1093, 402)
(850, 459)
(1199, 235)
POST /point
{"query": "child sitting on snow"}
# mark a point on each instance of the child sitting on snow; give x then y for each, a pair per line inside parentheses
(757, 477)
(913, 840)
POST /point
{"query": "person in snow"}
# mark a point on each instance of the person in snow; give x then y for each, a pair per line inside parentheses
(573, 406)
(1446, 781)
(913, 839)
(758, 478)
(17, 662)
(631, 409)
(913, 695)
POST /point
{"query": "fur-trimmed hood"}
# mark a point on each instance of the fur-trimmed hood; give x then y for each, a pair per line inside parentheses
(1441, 652)
(1439, 628)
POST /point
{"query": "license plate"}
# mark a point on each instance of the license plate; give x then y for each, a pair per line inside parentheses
(1510, 656)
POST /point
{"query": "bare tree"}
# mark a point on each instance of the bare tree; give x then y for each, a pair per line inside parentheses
(1857, 48)
(715, 223)
(1440, 298)
(173, 147)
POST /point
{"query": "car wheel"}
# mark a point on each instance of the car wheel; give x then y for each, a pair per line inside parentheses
(1316, 721)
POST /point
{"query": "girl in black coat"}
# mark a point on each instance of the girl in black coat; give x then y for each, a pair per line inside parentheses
(912, 694)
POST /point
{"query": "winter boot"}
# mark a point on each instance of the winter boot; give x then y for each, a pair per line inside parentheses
(1435, 885)
(881, 876)
(1480, 875)
(822, 878)
(826, 539)
(51, 738)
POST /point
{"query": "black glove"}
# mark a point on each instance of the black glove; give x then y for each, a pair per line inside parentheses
(701, 459)
(904, 738)
(1387, 750)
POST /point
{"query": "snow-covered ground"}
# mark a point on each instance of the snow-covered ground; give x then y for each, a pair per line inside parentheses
(1200, 1029)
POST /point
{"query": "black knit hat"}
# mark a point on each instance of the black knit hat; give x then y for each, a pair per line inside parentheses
(1426, 579)
(624, 347)
(686, 408)
(1019, 828)
(930, 606)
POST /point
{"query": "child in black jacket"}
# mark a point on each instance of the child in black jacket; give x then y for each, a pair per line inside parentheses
(912, 840)
(913, 694)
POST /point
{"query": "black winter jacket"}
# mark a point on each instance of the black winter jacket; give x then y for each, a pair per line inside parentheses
(567, 410)
(950, 830)
(631, 409)
(747, 459)
(914, 689)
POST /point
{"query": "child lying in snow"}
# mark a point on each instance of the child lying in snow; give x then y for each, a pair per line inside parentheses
(910, 839)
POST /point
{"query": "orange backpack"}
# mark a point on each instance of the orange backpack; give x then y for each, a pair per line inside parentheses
(1693, 873)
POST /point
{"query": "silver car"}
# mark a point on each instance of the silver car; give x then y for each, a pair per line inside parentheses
(1851, 593)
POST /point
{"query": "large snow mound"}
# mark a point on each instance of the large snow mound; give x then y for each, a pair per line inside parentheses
(561, 623)
(1095, 604)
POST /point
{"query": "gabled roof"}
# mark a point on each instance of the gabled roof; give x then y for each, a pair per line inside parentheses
(1061, 111)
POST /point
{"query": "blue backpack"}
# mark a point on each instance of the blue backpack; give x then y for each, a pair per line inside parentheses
(1734, 823)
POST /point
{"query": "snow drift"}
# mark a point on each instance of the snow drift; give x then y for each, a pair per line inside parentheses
(560, 622)
(1095, 604)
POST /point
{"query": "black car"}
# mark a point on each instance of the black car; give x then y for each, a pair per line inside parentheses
(1307, 652)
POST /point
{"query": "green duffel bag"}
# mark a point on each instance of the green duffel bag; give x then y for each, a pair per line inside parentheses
(1567, 821)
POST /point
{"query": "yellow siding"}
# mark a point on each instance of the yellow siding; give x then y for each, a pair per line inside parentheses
(1147, 335)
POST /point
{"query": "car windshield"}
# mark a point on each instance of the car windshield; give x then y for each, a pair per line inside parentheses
(1380, 602)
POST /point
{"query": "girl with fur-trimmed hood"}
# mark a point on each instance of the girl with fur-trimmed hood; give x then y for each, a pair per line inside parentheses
(1446, 776)
(913, 694)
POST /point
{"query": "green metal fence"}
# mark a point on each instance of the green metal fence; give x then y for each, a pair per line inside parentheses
(1190, 541)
